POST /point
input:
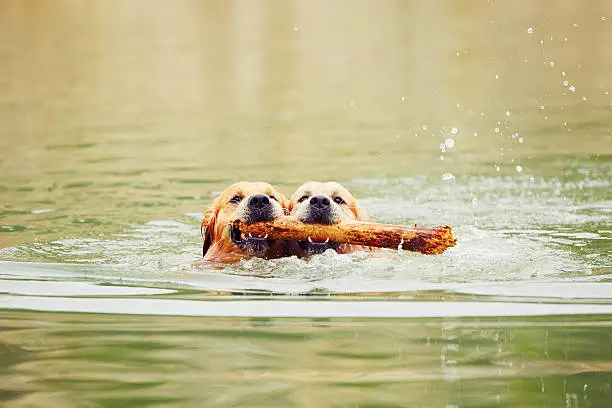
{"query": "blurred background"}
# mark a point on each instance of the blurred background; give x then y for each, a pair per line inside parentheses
(119, 112)
(121, 120)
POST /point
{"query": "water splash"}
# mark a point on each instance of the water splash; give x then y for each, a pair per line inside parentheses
(509, 228)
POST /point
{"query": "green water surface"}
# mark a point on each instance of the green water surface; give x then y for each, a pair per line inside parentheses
(121, 120)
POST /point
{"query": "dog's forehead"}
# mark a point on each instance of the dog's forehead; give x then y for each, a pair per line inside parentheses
(338, 189)
(330, 189)
(247, 188)
(308, 188)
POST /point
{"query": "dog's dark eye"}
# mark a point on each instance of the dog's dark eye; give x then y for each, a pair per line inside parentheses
(338, 200)
(235, 199)
(303, 198)
(274, 198)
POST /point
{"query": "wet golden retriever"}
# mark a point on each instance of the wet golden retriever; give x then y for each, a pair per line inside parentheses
(323, 203)
(250, 202)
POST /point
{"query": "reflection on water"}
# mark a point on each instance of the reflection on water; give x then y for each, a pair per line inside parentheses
(119, 121)
(148, 361)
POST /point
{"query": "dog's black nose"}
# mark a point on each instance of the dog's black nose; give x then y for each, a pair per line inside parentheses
(320, 201)
(258, 201)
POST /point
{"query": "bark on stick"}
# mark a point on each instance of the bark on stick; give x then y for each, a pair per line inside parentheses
(419, 239)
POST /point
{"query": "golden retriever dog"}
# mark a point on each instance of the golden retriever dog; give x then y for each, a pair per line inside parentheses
(323, 203)
(250, 202)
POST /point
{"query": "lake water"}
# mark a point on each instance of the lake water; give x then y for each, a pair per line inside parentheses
(121, 121)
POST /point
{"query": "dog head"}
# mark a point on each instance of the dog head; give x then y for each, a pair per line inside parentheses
(324, 203)
(249, 202)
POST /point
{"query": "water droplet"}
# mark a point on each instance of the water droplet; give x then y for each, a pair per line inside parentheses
(424, 127)
(563, 73)
(519, 169)
(475, 134)
(584, 98)
(575, 25)
(496, 130)
(403, 98)
(496, 76)
(541, 107)
(507, 113)
(454, 131)
(449, 143)
(442, 157)
(447, 176)
(474, 201)
(551, 63)
(442, 147)
(43, 211)
(497, 169)
(530, 30)
(520, 140)
(572, 88)
(295, 29)
(565, 83)
(603, 18)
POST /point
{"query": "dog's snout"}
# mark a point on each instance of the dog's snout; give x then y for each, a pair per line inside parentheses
(320, 201)
(259, 201)
(259, 207)
(319, 209)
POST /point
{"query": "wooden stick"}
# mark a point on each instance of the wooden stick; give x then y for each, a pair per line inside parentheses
(419, 239)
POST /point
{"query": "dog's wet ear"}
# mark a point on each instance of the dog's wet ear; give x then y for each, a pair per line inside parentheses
(207, 228)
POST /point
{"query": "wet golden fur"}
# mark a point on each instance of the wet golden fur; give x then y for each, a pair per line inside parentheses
(218, 246)
(348, 210)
